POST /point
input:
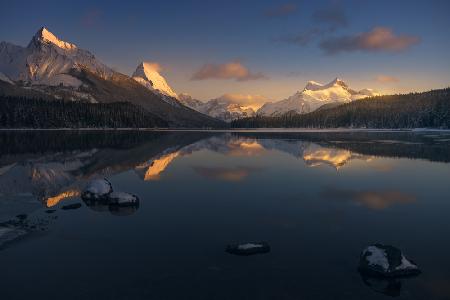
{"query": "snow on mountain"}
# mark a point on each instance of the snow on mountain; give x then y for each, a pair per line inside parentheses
(220, 108)
(313, 96)
(5, 78)
(148, 75)
(47, 60)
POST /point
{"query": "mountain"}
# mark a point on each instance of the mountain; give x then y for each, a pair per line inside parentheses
(416, 110)
(148, 75)
(313, 96)
(220, 108)
(55, 69)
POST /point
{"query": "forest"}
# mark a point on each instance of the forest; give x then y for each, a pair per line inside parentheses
(416, 110)
(21, 112)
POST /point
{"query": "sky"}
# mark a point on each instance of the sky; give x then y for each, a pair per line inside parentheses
(253, 51)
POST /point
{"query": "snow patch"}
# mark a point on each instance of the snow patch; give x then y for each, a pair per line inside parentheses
(377, 257)
(249, 246)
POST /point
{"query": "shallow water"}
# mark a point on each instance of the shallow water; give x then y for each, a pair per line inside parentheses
(317, 198)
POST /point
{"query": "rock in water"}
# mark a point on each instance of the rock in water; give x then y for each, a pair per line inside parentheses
(123, 199)
(71, 206)
(249, 248)
(386, 261)
(97, 189)
(10, 234)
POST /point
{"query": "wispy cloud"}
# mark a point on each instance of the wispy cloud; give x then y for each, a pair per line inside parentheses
(378, 39)
(232, 70)
(303, 38)
(281, 10)
(386, 79)
(326, 21)
(334, 16)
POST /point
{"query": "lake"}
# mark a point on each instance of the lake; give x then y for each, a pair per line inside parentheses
(317, 198)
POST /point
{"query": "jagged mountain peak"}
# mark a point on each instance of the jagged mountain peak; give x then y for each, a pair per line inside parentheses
(43, 35)
(147, 74)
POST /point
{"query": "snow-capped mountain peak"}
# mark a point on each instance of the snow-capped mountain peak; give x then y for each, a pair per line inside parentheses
(45, 36)
(48, 61)
(148, 75)
(313, 96)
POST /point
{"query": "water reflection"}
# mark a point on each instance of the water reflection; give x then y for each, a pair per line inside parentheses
(60, 170)
(372, 199)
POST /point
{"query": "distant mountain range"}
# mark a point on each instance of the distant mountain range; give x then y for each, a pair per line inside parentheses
(52, 69)
(313, 96)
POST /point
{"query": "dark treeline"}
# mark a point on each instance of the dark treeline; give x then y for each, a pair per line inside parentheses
(417, 110)
(20, 112)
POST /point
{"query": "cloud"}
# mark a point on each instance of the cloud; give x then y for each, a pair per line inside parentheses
(281, 10)
(253, 101)
(377, 40)
(303, 38)
(386, 79)
(232, 70)
(226, 174)
(375, 200)
(333, 15)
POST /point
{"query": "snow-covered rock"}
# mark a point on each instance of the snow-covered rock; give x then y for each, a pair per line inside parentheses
(148, 75)
(47, 60)
(248, 248)
(313, 96)
(97, 189)
(386, 261)
(123, 199)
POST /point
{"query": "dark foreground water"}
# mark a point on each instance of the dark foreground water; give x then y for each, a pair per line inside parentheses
(317, 198)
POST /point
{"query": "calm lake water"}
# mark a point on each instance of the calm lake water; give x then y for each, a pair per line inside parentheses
(317, 198)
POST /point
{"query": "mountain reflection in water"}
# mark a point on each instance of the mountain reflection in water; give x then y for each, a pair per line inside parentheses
(59, 169)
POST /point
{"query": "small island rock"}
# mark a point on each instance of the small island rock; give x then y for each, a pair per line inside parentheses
(386, 261)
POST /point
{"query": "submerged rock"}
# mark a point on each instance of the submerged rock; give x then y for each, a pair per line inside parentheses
(71, 206)
(388, 286)
(10, 234)
(97, 189)
(386, 261)
(123, 199)
(249, 248)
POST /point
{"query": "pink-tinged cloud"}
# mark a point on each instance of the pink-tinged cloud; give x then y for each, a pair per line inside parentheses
(281, 10)
(232, 70)
(386, 79)
(378, 39)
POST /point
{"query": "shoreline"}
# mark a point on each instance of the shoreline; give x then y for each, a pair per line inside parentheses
(268, 130)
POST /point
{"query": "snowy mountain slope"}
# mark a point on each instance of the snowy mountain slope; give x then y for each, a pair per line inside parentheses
(313, 96)
(48, 60)
(148, 75)
(219, 108)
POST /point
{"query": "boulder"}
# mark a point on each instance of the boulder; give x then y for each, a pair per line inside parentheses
(97, 189)
(386, 261)
(123, 199)
(248, 248)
